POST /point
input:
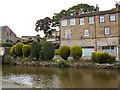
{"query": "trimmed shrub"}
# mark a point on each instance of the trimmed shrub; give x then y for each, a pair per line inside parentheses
(102, 57)
(35, 49)
(8, 40)
(93, 57)
(12, 50)
(76, 51)
(26, 50)
(64, 52)
(41, 56)
(57, 46)
(111, 58)
(48, 51)
(18, 49)
(6, 44)
(56, 51)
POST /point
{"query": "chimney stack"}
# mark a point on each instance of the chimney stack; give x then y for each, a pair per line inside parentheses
(97, 8)
(79, 12)
(117, 5)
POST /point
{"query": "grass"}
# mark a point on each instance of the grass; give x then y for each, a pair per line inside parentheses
(18, 83)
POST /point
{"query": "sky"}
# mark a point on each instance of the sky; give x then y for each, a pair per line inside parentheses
(21, 15)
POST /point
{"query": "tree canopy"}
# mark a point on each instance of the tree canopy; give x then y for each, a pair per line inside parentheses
(85, 8)
(45, 25)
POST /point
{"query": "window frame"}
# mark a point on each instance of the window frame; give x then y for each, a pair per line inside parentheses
(66, 35)
(90, 20)
(80, 21)
(85, 32)
(65, 22)
(105, 30)
(73, 21)
(110, 18)
(100, 18)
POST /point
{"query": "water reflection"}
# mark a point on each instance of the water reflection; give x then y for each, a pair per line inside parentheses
(61, 77)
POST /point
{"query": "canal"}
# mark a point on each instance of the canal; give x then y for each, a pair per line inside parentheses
(53, 77)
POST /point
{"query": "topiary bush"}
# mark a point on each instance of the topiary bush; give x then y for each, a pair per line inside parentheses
(41, 56)
(8, 40)
(102, 57)
(57, 46)
(76, 51)
(6, 44)
(64, 52)
(35, 49)
(112, 58)
(26, 49)
(93, 57)
(12, 50)
(18, 49)
(48, 51)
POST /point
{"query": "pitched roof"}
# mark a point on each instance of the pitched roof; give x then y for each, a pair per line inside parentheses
(91, 14)
(6, 27)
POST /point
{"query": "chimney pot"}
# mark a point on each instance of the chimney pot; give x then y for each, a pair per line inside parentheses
(79, 12)
(97, 8)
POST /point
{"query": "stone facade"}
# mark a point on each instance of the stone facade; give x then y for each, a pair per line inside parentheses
(97, 36)
(7, 33)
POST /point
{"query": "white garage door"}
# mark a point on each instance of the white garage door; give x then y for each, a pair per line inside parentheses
(87, 51)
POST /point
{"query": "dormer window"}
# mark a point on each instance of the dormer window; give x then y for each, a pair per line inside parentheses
(91, 20)
(64, 22)
(72, 21)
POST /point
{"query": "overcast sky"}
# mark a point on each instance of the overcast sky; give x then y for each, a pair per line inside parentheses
(21, 15)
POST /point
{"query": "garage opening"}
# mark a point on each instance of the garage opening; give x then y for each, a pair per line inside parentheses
(87, 51)
(109, 49)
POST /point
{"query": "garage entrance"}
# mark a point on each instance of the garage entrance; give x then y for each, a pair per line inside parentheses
(109, 49)
(87, 51)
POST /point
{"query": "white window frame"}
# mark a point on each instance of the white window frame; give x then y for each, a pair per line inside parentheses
(107, 30)
(112, 17)
(72, 21)
(86, 32)
(66, 33)
(102, 18)
(91, 20)
(81, 21)
(64, 22)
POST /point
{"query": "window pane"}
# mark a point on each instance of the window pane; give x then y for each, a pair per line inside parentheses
(68, 34)
(86, 32)
(102, 19)
(82, 21)
(112, 17)
(91, 20)
(72, 22)
(64, 22)
(107, 30)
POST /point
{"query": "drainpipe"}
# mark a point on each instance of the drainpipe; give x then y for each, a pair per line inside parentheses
(60, 32)
(95, 36)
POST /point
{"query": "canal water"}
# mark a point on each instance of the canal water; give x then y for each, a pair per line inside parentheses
(53, 77)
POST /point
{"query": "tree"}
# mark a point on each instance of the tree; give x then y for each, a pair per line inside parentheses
(45, 25)
(85, 8)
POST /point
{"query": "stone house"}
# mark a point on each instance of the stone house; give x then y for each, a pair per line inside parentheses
(97, 31)
(28, 38)
(55, 37)
(7, 33)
